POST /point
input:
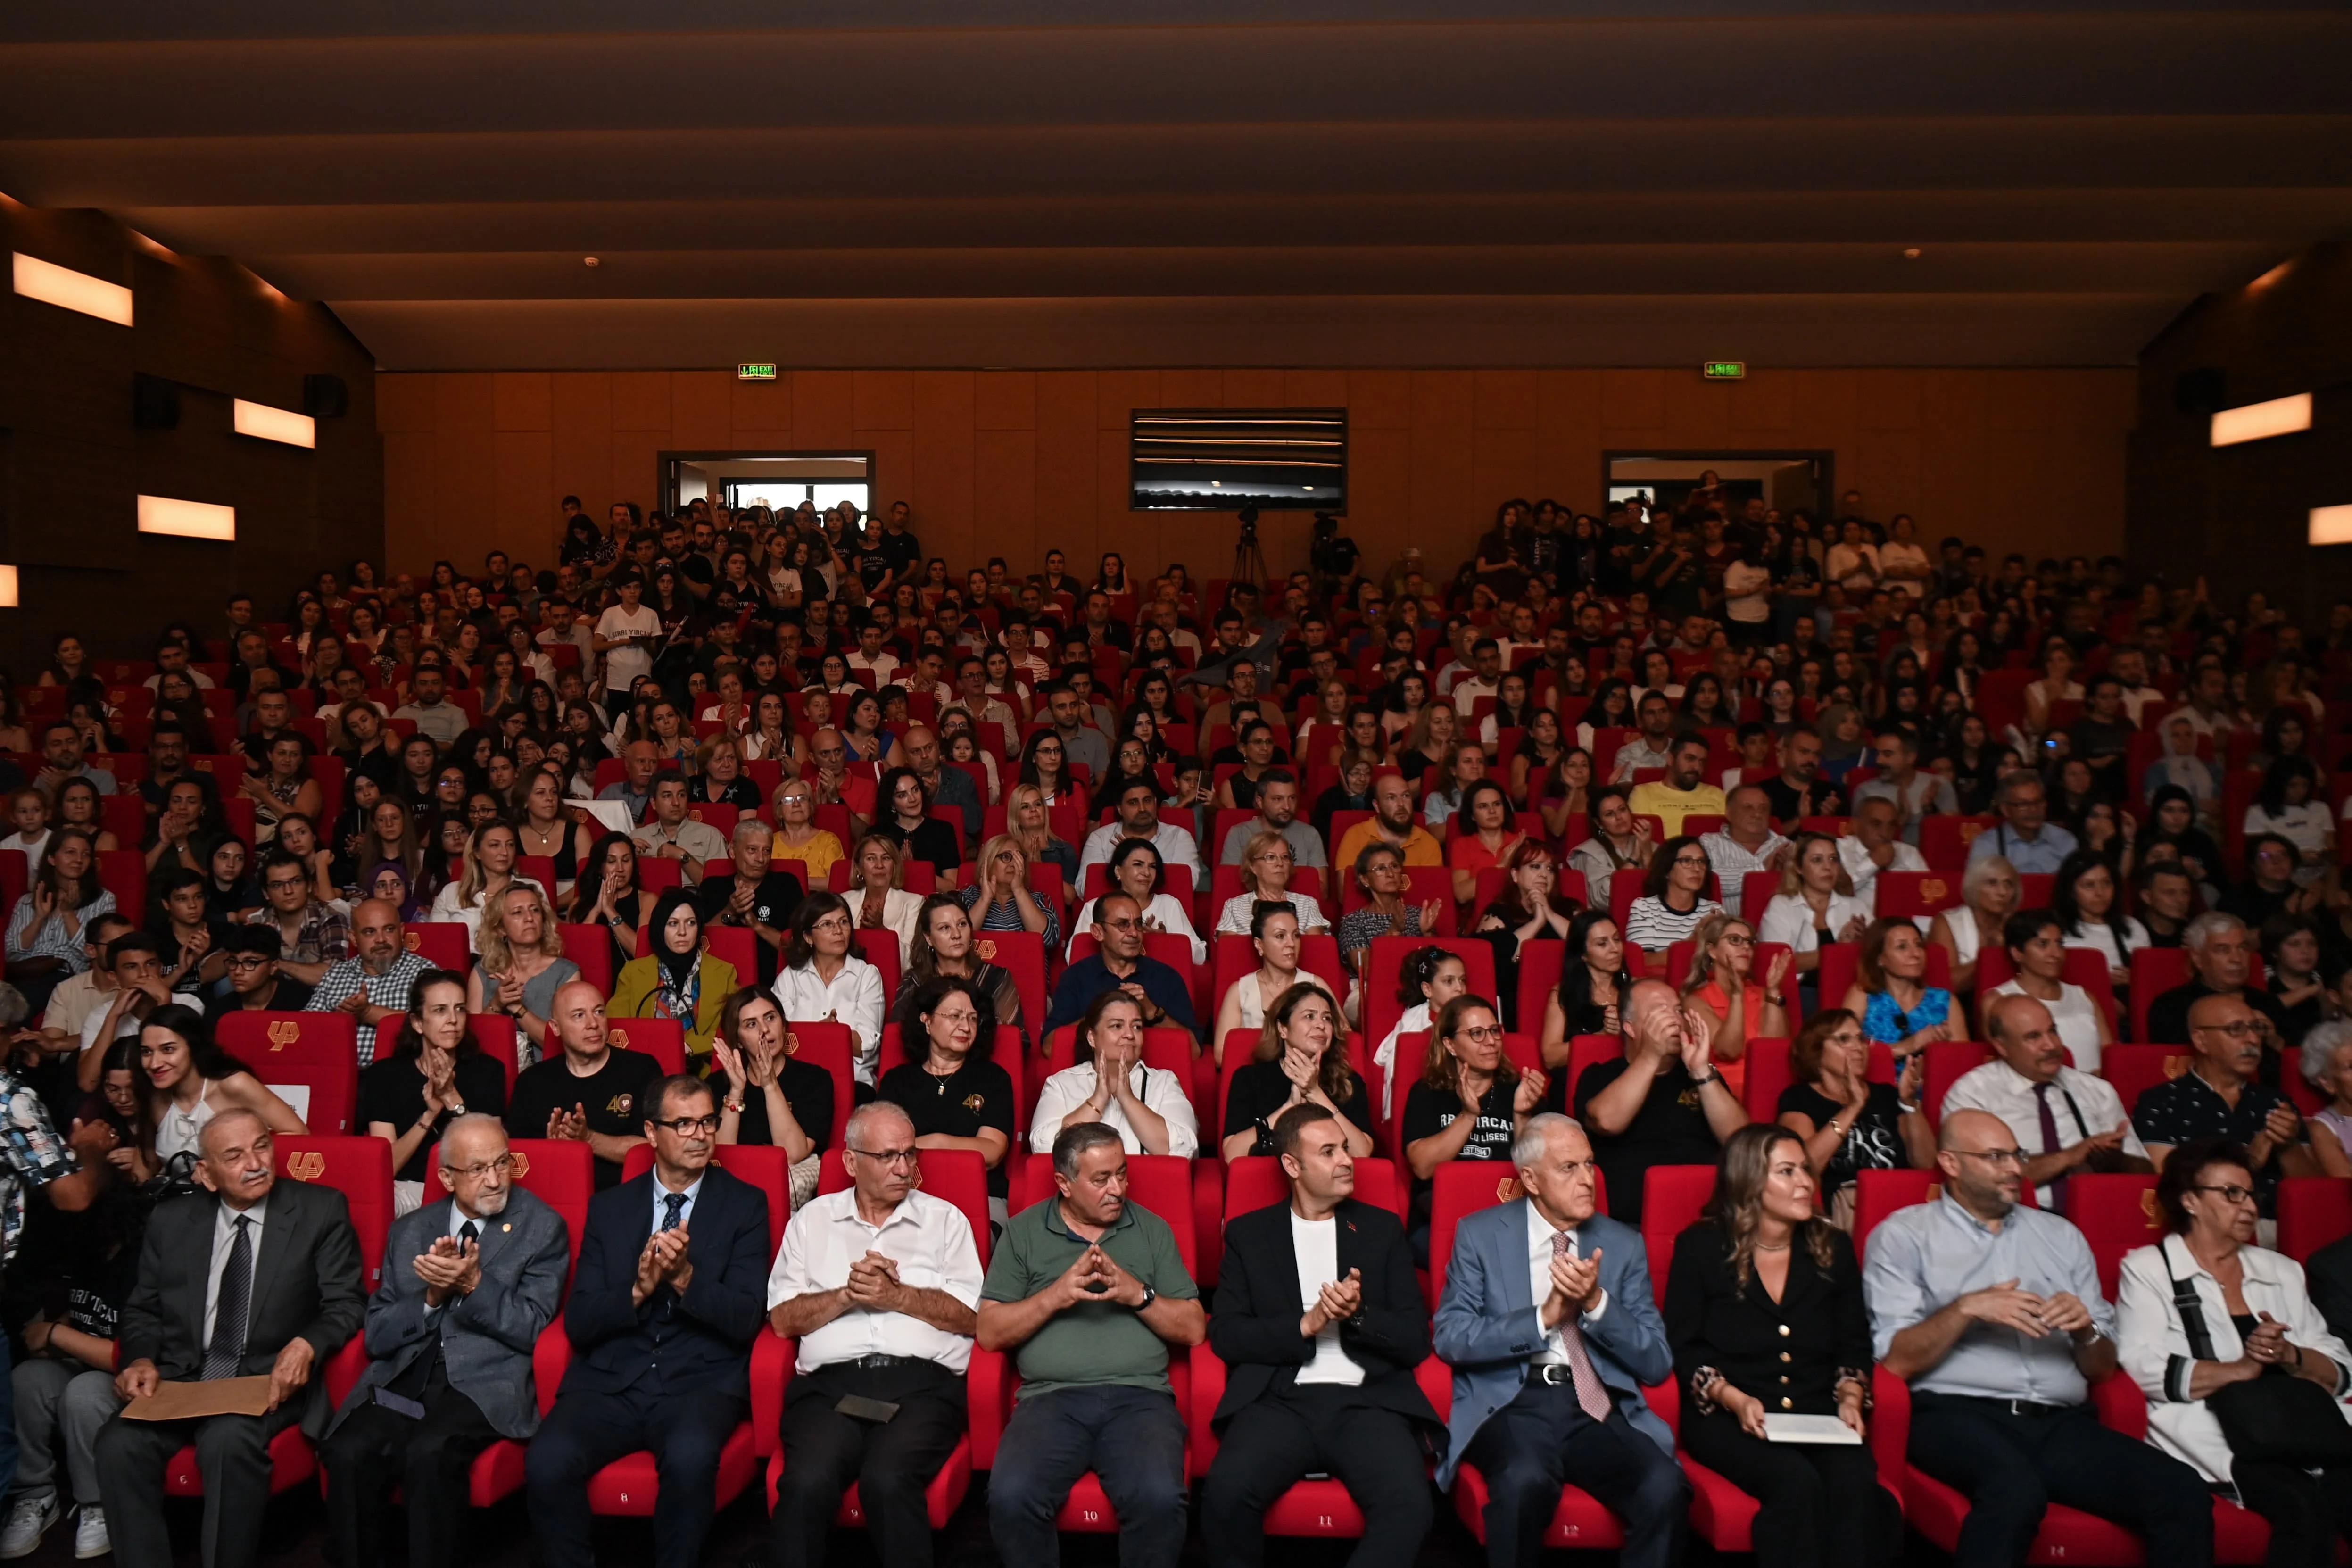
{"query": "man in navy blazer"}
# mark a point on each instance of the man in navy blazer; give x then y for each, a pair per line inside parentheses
(1551, 1328)
(670, 1290)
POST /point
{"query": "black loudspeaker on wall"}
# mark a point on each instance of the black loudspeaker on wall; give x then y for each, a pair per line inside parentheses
(154, 403)
(325, 396)
(2203, 390)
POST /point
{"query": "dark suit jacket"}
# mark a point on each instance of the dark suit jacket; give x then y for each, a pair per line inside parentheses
(1254, 1329)
(307, 1283)
(2329, 1273)
(702, 1338)
(487, 1336)
(1789, 1354)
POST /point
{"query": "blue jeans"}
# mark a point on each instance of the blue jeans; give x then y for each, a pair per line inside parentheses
(1132, 1438)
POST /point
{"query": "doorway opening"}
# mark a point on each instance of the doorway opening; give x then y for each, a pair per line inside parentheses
(1668, 482)
(780, 481)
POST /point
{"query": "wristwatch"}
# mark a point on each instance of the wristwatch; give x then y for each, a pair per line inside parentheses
(1149, 1296)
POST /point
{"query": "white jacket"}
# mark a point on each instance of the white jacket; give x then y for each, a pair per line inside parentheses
(2154, 1347)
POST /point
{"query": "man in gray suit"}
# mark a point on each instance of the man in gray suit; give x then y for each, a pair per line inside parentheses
(252, 1277)
(1551, 1329)
(468, 1283)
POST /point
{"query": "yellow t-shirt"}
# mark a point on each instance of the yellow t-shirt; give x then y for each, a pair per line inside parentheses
(1669, 806)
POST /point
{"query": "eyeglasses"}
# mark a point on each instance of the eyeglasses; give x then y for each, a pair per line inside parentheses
(1996, 1157)
(245, 961)
(285, 884)
(1484, 1037)
(503, 1164)
(1738, 939)
(884, 1156)
(2231, 1194)
(2237, 1029)
(682, 1125)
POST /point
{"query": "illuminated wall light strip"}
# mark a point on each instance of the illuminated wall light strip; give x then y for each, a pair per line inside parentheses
(7, 588)
(70, 290)
(2331, 525)
(276, 423)
(186, 519)
(2261, 421)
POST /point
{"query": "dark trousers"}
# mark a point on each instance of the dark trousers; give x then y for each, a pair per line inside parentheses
(1543, 1440)
(1818, 1505)
(2305, 1512)
(2014, 1465)
(1132, 1438)
(376, 1449)
(892, 1462)
(1269, 1445)
(587, 1431)
(231, 1454)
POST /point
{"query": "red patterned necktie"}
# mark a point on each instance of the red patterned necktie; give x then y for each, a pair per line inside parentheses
(1590, 1395)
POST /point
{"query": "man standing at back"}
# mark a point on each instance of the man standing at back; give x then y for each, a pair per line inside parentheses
(665, 1303)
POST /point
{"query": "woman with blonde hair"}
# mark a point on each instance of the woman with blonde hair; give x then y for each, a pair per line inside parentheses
(797, 835)
(1267, 862)
(879, 900)
(998, 895)
(1029, 819)
(1275, 935)
(1815, 904)
(490, 854)
(1300, 1059)
(1988, 897)
(1720, 980)
(522, 967)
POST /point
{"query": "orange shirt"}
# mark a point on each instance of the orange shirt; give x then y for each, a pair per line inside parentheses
(1751, 1001)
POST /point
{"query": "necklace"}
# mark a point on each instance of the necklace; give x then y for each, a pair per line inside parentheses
(1761, 1248)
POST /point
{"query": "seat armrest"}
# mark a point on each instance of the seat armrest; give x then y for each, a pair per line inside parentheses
(1208, 1392)
(773, 1356)
(1890, 1427)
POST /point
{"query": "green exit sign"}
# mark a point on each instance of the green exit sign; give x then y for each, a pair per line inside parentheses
(1724, 370)
(755, 373)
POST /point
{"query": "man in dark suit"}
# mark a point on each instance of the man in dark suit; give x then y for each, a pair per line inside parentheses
(251, 1278)
(1320, 1324)
(670, 1289)
(468, 1283)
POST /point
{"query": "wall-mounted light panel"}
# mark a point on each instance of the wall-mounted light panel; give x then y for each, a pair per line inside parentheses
(186, 519)
(2261, 421)
(276, 423)
(70, 290)
(2331, 525)
(7, 588)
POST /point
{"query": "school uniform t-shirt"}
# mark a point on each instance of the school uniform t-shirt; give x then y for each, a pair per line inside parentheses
(1429, 1111)
(610, 1096)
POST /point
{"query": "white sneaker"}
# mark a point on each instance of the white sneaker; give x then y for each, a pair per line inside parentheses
(90, 1539)
(27, 1522)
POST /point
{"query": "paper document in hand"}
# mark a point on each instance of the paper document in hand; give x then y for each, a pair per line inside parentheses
(1809, 1430)
(191, 1401)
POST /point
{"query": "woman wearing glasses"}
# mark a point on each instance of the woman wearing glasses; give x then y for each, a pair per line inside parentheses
(820, 981)
(1673, 898)
(797, 835)
(436, 1072)
(956, 1096)
(2205, 1318)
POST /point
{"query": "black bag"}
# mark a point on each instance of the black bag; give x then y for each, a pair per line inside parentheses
(2278, 1417)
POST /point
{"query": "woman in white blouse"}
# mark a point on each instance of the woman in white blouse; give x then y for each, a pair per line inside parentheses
(489, 872)
(2083, 899)
(1274, 931)
(1136, 869)
(877, 865)
(2037, 945)
(1145, 1106)
(1988, 897)
(821, 982)
(1267, 862)
(1815, 903)
(2252, 1317)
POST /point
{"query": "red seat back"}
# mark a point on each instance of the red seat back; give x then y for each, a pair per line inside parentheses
(360, 1169)
(317, 1051)
(590, 947)
(661, 1038)
(1944, 841)
(1159, 1182)
(1023, 953)
(1673, 1198)
(834, 1047)
(1382, 1009)
(762, 1166)
(1948, 1061)
(2115, 1215)
(2313, 1211)
(738, 946)
(1541, 964)
(880, 948)
(959, 1175)
(495, 1034)
(1878, 1194)
(444, 945)
(1257, 1182)
(2136, 1069)
(2154, 972)
(1917, 893)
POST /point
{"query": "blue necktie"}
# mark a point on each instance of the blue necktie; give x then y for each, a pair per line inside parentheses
(673, 1210)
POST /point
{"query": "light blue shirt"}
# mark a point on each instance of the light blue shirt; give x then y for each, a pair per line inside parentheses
(2040, 856)
(685, 1215)
(1924, 1257)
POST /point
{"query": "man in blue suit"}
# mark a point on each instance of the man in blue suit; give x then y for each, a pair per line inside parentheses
(1550, 1327)
(670, 1290)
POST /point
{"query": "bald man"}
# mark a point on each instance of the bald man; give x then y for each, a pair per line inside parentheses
(2067, 1121)
(374, 983)
(1663, 1103)
(1992, 1314)
(206, 1306)
(588, 1093)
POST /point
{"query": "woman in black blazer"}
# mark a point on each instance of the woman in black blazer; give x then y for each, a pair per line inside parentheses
(1764, 1312)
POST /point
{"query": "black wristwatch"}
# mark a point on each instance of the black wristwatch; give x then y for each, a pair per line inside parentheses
(1149, 1296)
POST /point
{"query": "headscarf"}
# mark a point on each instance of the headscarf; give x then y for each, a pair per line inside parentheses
(410, 908)
(681, 974)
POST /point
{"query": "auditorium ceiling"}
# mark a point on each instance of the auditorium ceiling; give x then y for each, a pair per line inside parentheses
(1202, 182)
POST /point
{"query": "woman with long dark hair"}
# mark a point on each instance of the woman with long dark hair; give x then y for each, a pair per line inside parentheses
(436, 1073)
(190, 1080)
(1300, 1059)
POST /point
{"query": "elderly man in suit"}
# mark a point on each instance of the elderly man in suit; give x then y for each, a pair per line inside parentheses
(1320, 1323)
(254, 1277)
(468, 1283)
(671, 1288)
(1551, 1328)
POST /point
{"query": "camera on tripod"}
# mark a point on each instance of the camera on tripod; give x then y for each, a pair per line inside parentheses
(1249, 516)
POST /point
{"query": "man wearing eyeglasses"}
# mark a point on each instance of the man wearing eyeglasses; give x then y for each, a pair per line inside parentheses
(879, 1283)
(2217, 1097)
(256, 984)
(314, 935)
(667, 1297)
(2220, 953)
(468, 1283)
(1992, 1312)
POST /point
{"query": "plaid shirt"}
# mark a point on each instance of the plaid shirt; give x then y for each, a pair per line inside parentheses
(391, 989)
(34, 1155)
(325, 936)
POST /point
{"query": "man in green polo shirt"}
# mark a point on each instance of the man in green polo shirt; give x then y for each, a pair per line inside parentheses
(1090, 1292)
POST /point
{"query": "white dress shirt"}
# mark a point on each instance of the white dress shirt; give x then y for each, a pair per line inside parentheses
(2084, 1105)
(223, 1238)
(1539, 1255)
(1865, 871)
(1316, 1244)
(1161, 1092)
(854, 998)
(929, 1239)
(1175, 845)
(1789, 921)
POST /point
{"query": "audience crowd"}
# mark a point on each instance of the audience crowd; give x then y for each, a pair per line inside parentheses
(1673, 1011)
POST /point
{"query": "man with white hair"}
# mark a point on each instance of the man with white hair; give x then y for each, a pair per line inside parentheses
(468, 1283)
(2220, 949)
(879, 1283)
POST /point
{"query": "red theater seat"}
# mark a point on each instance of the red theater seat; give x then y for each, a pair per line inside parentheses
(316, 1053)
